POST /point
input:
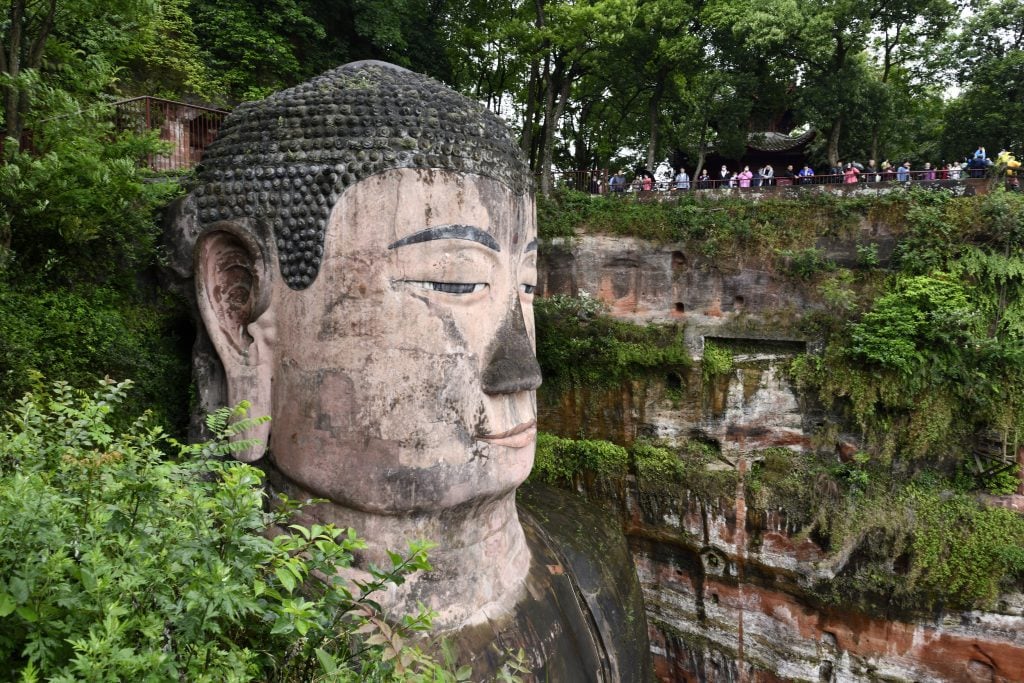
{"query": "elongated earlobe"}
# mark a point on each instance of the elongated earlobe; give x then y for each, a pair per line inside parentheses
(233, 283)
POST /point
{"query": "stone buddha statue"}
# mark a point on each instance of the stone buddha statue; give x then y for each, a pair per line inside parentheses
(365, 261)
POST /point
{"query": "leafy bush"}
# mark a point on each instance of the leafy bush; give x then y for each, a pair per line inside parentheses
(804, 264)
(578, 345)
(560, 461)
(75, 333)
(117, 563)
(716, 361)
(926, 314)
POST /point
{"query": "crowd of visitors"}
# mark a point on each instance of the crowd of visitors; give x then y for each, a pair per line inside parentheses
(978, 165)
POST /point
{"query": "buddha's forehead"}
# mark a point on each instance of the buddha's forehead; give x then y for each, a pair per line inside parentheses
(288, 159)
(393, 205)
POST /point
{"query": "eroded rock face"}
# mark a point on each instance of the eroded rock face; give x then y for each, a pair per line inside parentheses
(747, 616)
(727, 586)
(753, 407)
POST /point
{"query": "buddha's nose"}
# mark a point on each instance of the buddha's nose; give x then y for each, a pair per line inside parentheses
(511, 363)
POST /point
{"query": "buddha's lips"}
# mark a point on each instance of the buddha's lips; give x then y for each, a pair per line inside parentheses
(517, 437)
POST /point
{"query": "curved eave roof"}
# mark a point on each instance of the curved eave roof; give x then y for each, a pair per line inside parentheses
(778, 142)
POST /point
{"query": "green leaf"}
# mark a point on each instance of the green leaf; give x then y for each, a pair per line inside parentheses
(327, 661)
(6, 604)
(287, 579)
(19, 589)
(26, 613)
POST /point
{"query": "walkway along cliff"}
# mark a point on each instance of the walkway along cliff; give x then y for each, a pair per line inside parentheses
(806, 414)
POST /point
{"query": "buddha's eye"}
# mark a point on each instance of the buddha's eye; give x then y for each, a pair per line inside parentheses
(527, 289)
(448, 287)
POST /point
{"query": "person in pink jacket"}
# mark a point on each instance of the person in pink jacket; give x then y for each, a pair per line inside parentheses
(745, 176)
(850, 174)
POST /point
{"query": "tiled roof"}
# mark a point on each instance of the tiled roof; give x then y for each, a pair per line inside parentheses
(778, 142)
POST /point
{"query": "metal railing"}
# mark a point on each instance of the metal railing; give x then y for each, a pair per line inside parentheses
(591, 181)
(189, 128)
(878, 179)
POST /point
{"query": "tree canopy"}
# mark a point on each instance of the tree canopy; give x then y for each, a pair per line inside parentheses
(588, 83)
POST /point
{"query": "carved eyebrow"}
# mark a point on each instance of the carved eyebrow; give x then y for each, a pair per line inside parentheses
(532, 246)
(449, 232)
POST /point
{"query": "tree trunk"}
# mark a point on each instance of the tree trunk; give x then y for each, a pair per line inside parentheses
(654, 116)
(17, 53)
(529, 116)
(833, 140)
(581, 149)
(12, 69)
(554, 107)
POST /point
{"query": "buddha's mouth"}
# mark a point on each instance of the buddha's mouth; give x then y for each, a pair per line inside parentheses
(519, 436)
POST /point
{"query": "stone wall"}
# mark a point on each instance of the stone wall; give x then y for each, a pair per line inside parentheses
(727, 588)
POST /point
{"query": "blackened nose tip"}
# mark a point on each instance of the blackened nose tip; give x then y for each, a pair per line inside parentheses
(511, 364)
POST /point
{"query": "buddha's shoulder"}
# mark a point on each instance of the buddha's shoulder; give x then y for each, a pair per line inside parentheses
(581, 615)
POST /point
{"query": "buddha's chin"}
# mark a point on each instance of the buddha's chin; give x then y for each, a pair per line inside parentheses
(492, 470)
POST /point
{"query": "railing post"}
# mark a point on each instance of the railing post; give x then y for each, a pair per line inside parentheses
(149, 157)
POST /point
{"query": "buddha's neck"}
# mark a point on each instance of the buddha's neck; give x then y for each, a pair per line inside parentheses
(479, 565)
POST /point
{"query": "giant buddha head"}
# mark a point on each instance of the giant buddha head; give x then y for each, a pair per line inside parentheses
(366, 274)
(365, 270)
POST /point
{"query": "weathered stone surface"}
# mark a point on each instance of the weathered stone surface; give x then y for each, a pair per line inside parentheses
(753, 407)
(381, 315)
(727, 587)
(727, 600)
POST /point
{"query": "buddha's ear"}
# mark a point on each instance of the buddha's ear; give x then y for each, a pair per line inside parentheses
(234, 278)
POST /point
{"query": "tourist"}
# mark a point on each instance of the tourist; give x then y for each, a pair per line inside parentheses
(806, 175)
(836, 173)
(647, 181)
(744, 177)
(850, 174)
(955, 171)
(928, 173)
(682, 180)
(617, 183)
(768, 174)
(788, 177)
(903, 172)
(724, 176)
(976, 167)
(870, 174)
(704, 180)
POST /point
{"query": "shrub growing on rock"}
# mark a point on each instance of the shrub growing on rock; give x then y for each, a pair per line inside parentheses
(120, 563)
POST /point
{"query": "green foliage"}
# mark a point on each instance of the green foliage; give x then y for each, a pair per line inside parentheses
(671, 470)
(920, 547)
(782, 230)
(924, 315)
(79, 206)
(561, 461)
(77, 332)
(716, 361)
(804, 264)
(960, 550)
(579, 346)
(867, 255)
(911, 544)
(119, 563)
(838, 292)
(79, 225)
(939, 356)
